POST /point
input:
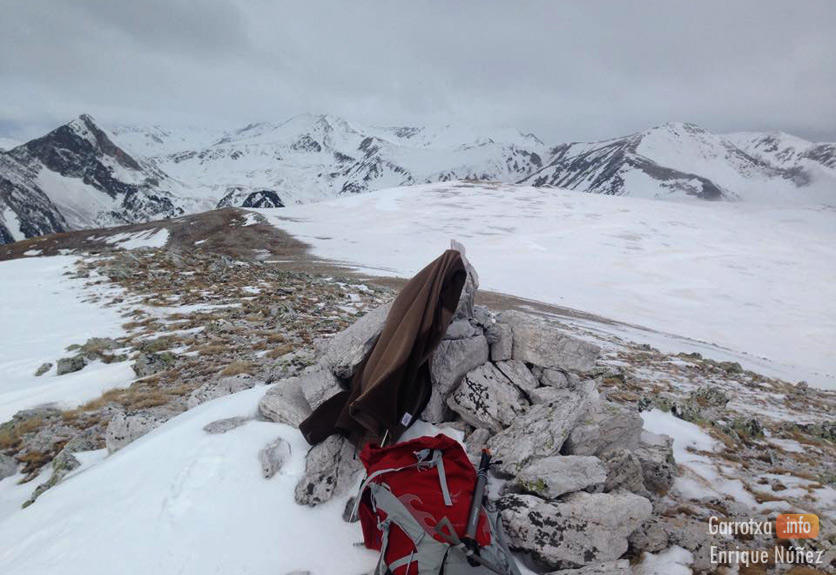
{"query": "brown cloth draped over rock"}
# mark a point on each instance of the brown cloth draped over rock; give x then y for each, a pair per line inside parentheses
(392, 385)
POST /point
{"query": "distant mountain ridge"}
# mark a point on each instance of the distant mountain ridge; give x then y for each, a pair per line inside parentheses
(82, 175)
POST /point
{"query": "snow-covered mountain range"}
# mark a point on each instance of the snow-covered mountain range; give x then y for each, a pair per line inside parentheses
(82, 175)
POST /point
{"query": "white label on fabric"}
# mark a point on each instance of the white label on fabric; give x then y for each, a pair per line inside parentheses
(406, 419)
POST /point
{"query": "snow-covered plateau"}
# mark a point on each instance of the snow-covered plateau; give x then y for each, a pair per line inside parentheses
(755, 279)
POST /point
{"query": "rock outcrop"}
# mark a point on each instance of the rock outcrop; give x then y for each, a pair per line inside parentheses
(582, 529)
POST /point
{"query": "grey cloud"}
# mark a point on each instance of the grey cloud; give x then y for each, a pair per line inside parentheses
(564, 70)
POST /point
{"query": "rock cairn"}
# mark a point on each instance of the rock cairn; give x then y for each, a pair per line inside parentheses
(579, 475)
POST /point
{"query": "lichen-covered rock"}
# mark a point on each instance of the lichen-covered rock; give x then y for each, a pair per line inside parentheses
(583, 529)
(150, 363)
(125, 428)
(606, 426)
(70, 365)
(285, 403)
(64, 463)
(488, 399)
(518, 373)
(655, 453)
(541, 431)
(331, 470)
(621, 567)
(220, 388)
(624, 471)
(541, 342)
(344, 352)
(502, 340)
(224, 425)
(273, 457)
(554, 476)
(318, 385)
(452, 359)
(8, 466)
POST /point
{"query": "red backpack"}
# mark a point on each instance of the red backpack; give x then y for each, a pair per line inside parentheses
(413, 507)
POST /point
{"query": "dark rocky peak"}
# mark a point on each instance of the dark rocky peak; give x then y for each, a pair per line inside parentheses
(70, 149)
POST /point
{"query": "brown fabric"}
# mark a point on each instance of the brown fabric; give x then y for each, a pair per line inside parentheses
(394, 379)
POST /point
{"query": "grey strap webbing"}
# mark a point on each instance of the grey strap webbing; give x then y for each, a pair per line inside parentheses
(406, 560)
(442, 477)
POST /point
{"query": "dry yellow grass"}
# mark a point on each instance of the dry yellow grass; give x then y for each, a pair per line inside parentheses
(237, 368)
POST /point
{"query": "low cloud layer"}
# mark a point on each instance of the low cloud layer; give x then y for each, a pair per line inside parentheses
(564, 70)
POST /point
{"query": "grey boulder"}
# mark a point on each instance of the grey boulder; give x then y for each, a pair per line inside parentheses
(624, 471)
(541, 431)
(331, 470)
(554, 476)
(223, 425)
(273, 457)
(318, 385)
(487, 399)
(344, 352)
(584, 529)
(502, 340)
(70, 364)
(541, 342)
(655, 453)
(607, 426)
(8, 466)
(125, 428)
(621, 567)
(220, 388)
(285, 403)
(518, 373)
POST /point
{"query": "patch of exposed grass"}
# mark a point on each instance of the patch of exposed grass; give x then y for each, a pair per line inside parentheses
(237, 368)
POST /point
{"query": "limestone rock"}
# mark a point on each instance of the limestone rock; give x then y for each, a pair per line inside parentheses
(488, 399)
(655, 453)
(518, 373)
(502, 340)
(452, 359)
(624, 471)
(476, 442)
(347, 349)
(220, 388)
(551, 477)
(436, 410)
(650, 537)
(462, 329)
(330, 471)
(124, 428)
(465, 307)
(621, 567)
(318, 385)
(285, 403)
(8, 466)
(553, 378)
(64, 463)
(584, 529)
(545, 395)
(607, 426)
(224, 425)
(70, 364)
(150, 363)
(45, 367)
(541, 431)
(541, 342)
(273, 457)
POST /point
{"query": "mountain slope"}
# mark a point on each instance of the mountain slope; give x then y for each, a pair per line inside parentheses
(315, 157)
(670, 160)
(77, 177)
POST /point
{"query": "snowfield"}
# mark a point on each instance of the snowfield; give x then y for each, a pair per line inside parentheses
(756, 279)
(182, 501)
(42, 312)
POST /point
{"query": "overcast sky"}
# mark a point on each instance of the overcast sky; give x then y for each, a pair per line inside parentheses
(566, 70)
